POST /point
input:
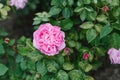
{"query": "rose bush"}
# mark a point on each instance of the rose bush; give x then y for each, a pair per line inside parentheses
(91, 30)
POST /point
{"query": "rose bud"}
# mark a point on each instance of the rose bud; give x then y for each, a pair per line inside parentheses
(85, 56)
(7, 40)
(66, 50)
(105, 8)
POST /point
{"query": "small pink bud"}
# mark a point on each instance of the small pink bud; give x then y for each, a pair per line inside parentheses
(86, 56)
(105, 8)
(66, 50)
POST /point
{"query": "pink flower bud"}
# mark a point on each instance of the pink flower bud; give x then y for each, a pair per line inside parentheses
(66, 50)
(85, 56)
(105, 8)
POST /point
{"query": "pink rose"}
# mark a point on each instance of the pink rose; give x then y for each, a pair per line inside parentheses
(114, 55)
(19, 4)
(49, 39)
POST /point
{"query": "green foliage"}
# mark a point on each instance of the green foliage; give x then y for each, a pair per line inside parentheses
(4, 9)
(91, 35)
(62, 75)
(41, 68)
(66, 24)
(87, 25)
(3, 69)
(114, 41)
(105, 31)
(76, 75)
(88, 29)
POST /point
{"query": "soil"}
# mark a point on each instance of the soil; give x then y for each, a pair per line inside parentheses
(106, 72)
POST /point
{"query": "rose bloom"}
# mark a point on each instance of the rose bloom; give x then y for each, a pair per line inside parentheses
(105, 8)
(49, 39)
(114, 55)
(19, 4)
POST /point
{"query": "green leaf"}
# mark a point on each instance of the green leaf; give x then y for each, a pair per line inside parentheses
(98, 27)
(41, 68)
(101, 18)
(62, 75)
(87, 1)
(116, 26)
(1, 41)
(100, 51)
(91, 16)
(64, 2)
(91, 35)
(2, 50)
(54, 2)
(68, 66)
(95, 1)
(114, 40)
(116, 12)
(78, 9)
(36, 22)
(54, 11)
(60, 59)
(105, 31)
(66, 24)
(3, 12)
(1, 5)
(83, 15)
(89, 9)
(88, 68)
(23, 65)
(70, 2)
(52, 66)
(114, 2)
(75, 75)
(80, 3)
(72, 43)
(87, 25)
(12, 41)
(19, 58)
(31, 66)
(7, 8)
(45, 77)
(85, 66)
(3, 33)
(35, 55)
(88, 78)
(10, 51)
(3, 69)
(66, 12)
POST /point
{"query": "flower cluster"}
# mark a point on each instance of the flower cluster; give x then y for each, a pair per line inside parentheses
(49, 39)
